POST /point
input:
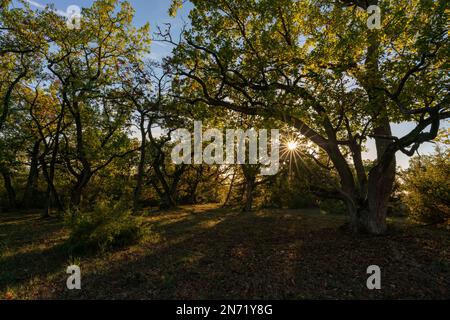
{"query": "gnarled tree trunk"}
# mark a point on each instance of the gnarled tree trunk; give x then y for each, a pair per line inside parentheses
(77, 190)
(371, 214)
(250, 173)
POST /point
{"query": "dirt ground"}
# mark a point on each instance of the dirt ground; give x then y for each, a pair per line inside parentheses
(206, 252)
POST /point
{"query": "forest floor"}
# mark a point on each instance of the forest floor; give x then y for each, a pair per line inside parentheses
(206, 252)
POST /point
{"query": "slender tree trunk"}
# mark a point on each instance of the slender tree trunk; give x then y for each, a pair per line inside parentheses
(250, 173)
(49, 171)
(194, 186)
(9, 188)
(6, 99)
(167, 202)
(51, 190)
(141, 166)
(77, 190)
(75, 197)
(49, 175)
(168, 194)
(31, 187)
(193, 193)
(230, 189)
(249, 189)
(166, 197)
(176, 178)
(48, 203)
(86, 172)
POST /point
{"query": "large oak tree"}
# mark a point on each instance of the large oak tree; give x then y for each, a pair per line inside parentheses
(315, 65)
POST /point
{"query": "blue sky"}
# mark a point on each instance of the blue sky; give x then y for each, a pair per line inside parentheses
(156, 12)
(153, 11)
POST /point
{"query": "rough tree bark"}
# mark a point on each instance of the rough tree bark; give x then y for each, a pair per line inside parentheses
(249, 173)
(227, 199)
(372, 215)
(9, 188)
(31, 186)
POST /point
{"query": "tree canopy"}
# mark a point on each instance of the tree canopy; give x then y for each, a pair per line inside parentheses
(316, 66)
(85, 112)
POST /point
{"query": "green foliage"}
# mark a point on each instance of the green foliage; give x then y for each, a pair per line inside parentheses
(318, 68)
(106, 227)
(174, 7)
(426, 188)
(288, 192)
(333, 206)
(309, 66)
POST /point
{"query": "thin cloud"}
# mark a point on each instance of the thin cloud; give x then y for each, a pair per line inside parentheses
(41, 6)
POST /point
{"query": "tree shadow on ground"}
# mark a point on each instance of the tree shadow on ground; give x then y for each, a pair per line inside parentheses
(224, 255)
(30, 247)
(276, 254)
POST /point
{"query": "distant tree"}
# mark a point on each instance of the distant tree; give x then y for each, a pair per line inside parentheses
(68, 85)
(88, 66)
(20, 51)
(46, 116)
(155, 116)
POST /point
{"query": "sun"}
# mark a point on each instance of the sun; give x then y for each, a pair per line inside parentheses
(292, 145)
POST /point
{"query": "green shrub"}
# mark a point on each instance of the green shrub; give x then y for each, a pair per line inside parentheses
(107, 226)
(333, 206)
(426, 188)
(300, 200)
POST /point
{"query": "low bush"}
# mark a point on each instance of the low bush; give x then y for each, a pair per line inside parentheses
(426, 188)
(333, 206)
(105, 227)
